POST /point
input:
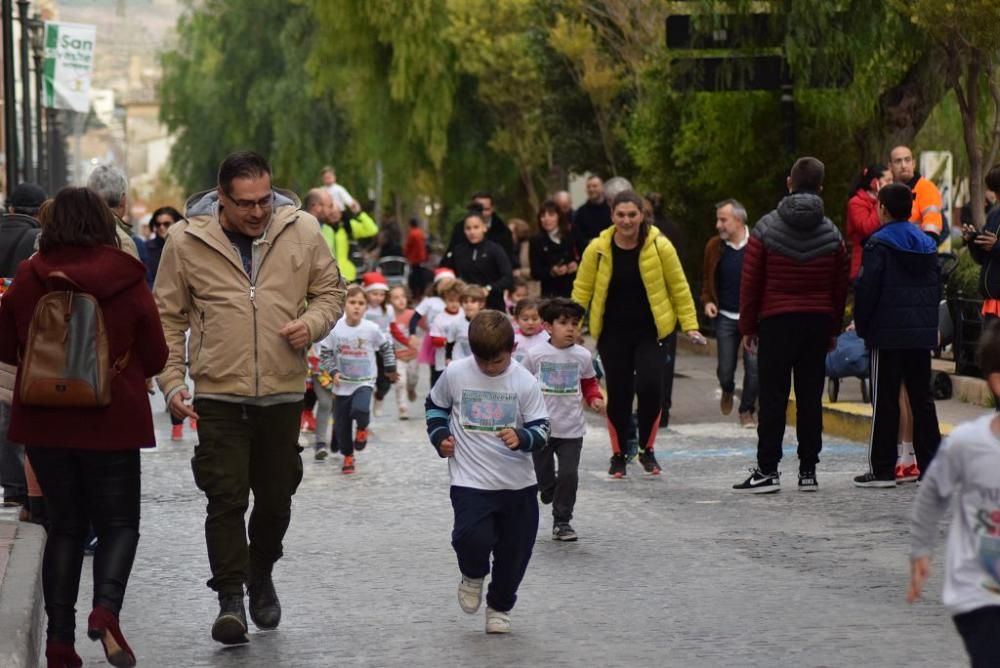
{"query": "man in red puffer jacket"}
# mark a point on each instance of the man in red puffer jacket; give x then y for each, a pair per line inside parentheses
(792, 296)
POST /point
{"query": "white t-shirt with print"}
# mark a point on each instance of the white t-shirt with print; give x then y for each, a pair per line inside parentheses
(381, 318)
(523, 344)
(429, 308)
(458, 334)
(480, 407)
(559, 372)
(439, 328)
(354, 354)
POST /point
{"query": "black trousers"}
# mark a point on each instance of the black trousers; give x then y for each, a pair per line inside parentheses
(242, 449)
(633, 364)
(561, 488)
(978, 629)
(503, 523)
(348, 410)
(791, 344)
(85, 488)
(889, 369)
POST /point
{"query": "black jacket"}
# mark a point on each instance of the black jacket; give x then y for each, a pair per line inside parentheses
(989, 277)
(898, 289)
(544, 254)
(484, 264)
(589, 221)
(154, 249)
(17, 241)
(497, 232)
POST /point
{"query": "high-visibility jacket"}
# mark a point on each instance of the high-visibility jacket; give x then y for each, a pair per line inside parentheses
(362, 227)
(927, 206)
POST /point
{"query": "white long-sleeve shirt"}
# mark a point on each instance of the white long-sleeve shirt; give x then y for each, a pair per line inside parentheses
(966, 469)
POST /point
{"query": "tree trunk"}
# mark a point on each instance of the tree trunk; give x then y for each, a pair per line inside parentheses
(968, 104)
(903, 109)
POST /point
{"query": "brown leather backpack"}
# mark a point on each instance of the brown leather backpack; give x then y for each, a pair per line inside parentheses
(66, 358)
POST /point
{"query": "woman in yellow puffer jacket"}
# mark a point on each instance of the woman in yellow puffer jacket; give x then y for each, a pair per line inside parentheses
(631, 280)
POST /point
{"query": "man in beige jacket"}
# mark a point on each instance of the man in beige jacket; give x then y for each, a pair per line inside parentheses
(251, 277)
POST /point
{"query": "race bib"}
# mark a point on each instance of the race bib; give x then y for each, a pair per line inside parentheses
(988, 556)
(356, 370)
(488, 411)
(559, 378)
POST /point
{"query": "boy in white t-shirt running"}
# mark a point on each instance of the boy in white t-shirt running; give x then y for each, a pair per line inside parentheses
(967, 469)
(348, 355)
(565, 373)
(457, 331)
(486, 415)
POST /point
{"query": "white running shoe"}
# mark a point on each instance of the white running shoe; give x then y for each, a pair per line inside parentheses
(496, 621)
(377, 410)
(470, 594)
(404, 412)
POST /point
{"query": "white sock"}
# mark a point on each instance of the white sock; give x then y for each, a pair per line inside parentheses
(906, 455)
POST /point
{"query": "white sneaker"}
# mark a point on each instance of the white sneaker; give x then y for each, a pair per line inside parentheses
(496, 621)
(377, 410)
(470, 594)
(404, 412)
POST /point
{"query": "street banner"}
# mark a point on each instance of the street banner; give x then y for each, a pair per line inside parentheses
(69, 62)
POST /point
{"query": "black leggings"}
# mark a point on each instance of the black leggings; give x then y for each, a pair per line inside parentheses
(84, 488)
(633, 364)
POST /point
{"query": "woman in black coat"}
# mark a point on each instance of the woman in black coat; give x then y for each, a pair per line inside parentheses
(480, 261)
(159, 223)
(553, 253)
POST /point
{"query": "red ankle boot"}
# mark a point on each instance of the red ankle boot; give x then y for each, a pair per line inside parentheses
(103, 625)
(61, 655)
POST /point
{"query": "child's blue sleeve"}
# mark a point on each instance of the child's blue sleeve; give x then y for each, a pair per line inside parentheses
(437, 410)
(533, 435)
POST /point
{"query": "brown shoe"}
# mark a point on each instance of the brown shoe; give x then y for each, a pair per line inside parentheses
(726, 403)
(747, 420)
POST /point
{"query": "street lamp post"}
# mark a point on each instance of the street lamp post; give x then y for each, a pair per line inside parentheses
(29, 170)
(38, 56)
(9, 98)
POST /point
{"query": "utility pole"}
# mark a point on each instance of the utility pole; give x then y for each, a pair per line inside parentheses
(9, 98)
(28, 172)
(37, 27)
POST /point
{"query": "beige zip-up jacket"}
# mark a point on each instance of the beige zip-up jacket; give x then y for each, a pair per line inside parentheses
(235, 350)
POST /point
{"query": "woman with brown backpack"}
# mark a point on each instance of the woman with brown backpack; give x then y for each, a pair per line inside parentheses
(82, 326)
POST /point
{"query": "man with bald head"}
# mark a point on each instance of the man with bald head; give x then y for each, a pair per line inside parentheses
(927, 202)
(564, 202)
(339, 229)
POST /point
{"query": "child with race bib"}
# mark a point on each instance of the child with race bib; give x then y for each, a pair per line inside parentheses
(486, 415)
(406, 348)
(451, 316)
(529, 332)
(457, 332)
(348, 355)
(966, 469)
(425, 313)
(380, 312)
(565, 373)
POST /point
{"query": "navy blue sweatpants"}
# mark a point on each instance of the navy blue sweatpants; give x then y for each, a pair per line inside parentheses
(502, 522)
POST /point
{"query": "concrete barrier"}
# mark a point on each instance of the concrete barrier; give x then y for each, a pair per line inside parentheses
(21, 603)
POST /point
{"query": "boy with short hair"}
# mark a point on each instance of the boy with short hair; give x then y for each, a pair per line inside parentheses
(452, 314)
(457, 331)
(486, 415)
(967, 467)
(565, 373)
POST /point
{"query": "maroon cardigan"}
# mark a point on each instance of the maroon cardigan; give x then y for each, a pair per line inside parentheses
(118, 281)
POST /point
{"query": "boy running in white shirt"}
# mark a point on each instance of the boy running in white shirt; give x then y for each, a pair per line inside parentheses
(565, 373)
(348, 355)
(967, 469)
(457, 332)
(486, 415)
(450, 316)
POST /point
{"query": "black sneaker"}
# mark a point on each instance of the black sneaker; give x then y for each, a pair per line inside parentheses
(871, 480)
(564, 532)
(545, 496)
(320, 454)
(760, 483)
(230, 627)
(618, 469)
(807, 481)
(361, 439)
(265, 610)
(649, 463)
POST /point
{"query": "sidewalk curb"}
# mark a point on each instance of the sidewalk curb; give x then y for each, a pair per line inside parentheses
(849, 420)
(21, 603)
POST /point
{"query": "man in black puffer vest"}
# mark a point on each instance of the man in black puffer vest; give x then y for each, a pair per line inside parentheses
(896, 313)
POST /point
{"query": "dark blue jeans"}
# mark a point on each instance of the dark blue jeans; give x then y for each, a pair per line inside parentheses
(502, 522)
(348, 410)
(730, 343)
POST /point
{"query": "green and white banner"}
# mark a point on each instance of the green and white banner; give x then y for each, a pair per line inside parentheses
(69, 61)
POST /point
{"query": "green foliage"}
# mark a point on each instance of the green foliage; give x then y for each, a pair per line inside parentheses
(236, 82)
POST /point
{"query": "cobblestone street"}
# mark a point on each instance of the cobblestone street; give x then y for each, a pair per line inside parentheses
(674, 571)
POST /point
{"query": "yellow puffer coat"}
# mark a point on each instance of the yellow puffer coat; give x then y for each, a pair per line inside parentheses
(666, 286)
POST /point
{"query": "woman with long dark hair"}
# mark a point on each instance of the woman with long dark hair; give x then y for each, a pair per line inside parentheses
(552, 251)
(160, 223)
(862, 210)
(480, 261)
(632, 281)
(87, 459)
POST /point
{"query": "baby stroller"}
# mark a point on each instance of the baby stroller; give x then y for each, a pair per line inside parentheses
(395, 269)
(849, 359)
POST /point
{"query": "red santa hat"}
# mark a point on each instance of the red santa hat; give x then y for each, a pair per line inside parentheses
(443, 272)
(374, 280)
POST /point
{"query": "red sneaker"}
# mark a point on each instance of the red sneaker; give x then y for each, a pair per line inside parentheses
(908, 473)
(361, 439)
(348, 466)
(177, 432)
(103, 625)
(308, 422)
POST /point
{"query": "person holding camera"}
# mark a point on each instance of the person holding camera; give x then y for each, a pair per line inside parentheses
(982, 245)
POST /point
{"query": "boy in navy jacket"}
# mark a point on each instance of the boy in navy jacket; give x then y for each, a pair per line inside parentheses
(896, 312)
